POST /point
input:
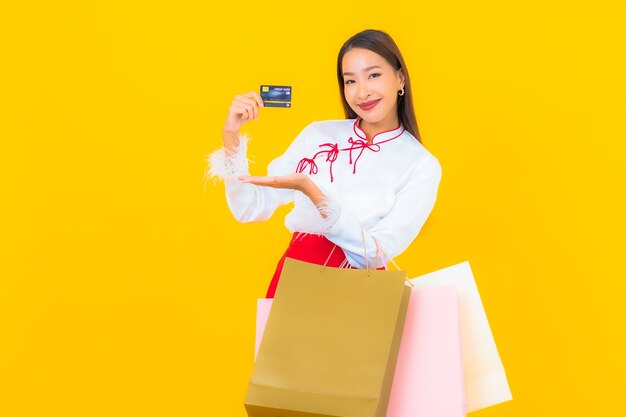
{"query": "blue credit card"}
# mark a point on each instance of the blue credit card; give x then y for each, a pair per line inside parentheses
(276, 95)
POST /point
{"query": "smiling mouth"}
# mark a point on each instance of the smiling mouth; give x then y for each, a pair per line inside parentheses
(369, 105)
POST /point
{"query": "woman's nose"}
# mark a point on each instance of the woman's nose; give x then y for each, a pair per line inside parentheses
(363, 93)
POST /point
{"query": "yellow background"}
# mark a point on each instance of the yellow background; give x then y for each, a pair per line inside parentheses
(127, 289)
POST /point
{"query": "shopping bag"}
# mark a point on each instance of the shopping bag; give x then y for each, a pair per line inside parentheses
(485, 379)
(428, 381)
(263, 308)
(330, 344)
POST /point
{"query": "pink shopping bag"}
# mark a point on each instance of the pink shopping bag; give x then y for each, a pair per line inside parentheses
(428, 381)
(263, 307)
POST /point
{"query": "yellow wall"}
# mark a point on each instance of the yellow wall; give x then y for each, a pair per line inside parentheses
(129, 290)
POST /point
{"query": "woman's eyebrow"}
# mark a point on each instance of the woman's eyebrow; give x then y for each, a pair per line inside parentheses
(364, 69)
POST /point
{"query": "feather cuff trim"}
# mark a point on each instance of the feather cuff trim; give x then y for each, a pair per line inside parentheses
(227, 165)
(315, 223)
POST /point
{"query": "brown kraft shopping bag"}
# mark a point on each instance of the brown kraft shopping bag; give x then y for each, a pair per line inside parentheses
(330, 344)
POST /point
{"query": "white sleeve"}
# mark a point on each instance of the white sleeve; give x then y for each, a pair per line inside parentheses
(250, 202)
(397, 230)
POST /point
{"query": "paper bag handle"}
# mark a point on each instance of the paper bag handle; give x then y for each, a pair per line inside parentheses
(378, 247)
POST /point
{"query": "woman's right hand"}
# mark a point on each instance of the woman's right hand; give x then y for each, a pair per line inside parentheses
(245, 107)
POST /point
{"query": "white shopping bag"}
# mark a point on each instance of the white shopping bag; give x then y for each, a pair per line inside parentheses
(485, 379)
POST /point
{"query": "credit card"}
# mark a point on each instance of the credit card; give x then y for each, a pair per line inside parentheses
(276, 95)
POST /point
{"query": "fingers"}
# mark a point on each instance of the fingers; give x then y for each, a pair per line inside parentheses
(250, 102)
(255, 96)
(244, 107)
(266, 181)
(242, 110)
(255, 180)
(247, 106)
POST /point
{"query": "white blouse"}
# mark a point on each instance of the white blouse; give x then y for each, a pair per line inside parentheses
(378, 196)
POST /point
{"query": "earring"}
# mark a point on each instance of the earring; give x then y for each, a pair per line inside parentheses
(401, 92)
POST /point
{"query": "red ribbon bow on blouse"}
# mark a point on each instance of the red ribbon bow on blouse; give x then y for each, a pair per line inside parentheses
(333, 153)
(331, 156)
(360, 144)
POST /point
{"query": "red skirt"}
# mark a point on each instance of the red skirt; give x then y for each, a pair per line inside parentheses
(309, 248)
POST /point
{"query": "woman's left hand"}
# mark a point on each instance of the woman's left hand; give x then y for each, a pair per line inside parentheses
(294, 181)
(297, 181)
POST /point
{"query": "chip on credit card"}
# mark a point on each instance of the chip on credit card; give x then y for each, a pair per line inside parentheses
(276, 95)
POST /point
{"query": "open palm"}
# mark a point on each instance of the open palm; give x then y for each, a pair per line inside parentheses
(294, 181)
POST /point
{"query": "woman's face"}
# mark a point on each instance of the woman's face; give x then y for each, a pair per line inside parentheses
(368, 77)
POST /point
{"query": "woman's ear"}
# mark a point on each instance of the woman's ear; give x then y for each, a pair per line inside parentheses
(401, 77)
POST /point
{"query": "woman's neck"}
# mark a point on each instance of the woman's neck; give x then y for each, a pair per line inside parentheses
(372, 130)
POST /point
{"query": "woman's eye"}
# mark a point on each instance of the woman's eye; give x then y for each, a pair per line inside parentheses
(348, 81)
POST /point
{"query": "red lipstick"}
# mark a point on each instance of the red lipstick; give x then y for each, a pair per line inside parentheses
(369, 105)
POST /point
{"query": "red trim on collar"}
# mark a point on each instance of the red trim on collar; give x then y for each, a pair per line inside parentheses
(358, 129)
